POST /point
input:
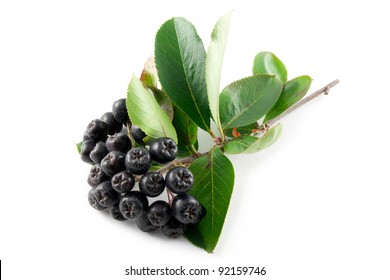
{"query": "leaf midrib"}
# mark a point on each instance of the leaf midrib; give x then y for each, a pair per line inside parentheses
(246, 109)
(155, 108)
(187, 81)
(212, 190)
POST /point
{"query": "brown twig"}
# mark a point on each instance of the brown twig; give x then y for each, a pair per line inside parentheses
(323, 90)
(181, 161)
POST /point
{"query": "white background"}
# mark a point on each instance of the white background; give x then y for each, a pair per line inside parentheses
(313, 206)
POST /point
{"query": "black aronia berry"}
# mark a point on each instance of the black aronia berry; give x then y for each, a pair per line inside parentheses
(97, 130)
(137, 134)
(105, 195)
(144, 154)
(133, 204)
(113, 163)
(186, 209)
(122, 183)
(113, 125)
(152, 184)
(120, 112)
(120, 180)
(138, 160)
(98, 152)
(159, 213)
(96, 176)
(119, 142)
(179, 179)
(163, 150)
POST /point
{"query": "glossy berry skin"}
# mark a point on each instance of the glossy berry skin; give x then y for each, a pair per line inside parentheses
(96, 176)
(105, 194)
(159, 213)
(113, 125)
(179, 180)
(93, 201)
(174, 228)
(163, 150)
(152, 184)
(138, 161)
(97, 130)
(133, 204)
(116, 213)
(86, 137)
(123, 182)
(86, 148)
(119, 142)
(98, 152)
(112, 163)
(137, 134)
(186, 209)
(120, 112)
(144, 224)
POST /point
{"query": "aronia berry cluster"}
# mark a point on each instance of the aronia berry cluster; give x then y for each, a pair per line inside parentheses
(122, 183)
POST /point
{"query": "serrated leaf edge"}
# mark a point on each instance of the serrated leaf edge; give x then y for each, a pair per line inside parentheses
(226, 126)
(207, 126)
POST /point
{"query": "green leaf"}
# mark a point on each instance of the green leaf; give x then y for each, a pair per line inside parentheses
(243, 130)
(155, 167)
(180, 60)
(186, 129)
(214, 61)
(150, 78)
(246, 101)
(145, 112)
(163, 100)
(149, 73)
(268, 63)
(213, 187)
(78, 146)
(185, 151)
(293, 91)
(250, 144)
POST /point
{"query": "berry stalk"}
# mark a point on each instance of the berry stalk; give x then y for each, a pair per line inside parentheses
(182, 161)
(128, 127)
